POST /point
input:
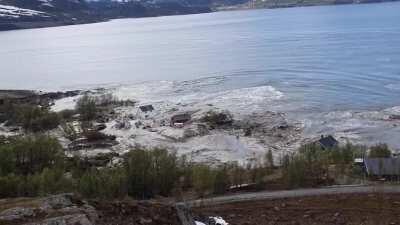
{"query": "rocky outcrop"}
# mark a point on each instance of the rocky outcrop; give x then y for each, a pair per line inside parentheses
(77, 219)
(17, 213)
(62, 209)
(184, 214)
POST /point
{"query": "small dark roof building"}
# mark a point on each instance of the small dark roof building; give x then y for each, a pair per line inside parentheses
(181, 118)
(382, 166)
(327, 142)
(146, 108)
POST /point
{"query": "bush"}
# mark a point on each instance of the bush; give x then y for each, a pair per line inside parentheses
(203, 179)
(53, 181)
(151, 173)
(380, 151)
(67, 114)
(30, 154)
(69, 131)
(86, 107)
(221, 183)
(310, 166)
(105, 183)
(10, 186)
(32, 118)
(49, 181)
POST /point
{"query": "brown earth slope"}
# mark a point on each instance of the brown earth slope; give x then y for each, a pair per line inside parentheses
(351, 209)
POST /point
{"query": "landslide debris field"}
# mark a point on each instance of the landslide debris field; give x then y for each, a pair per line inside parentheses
(366, 209)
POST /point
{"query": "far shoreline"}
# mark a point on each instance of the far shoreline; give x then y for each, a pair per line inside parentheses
(12, 26)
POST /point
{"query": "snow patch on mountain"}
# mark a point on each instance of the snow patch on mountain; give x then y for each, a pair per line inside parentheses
(15, 12)
(47, 3)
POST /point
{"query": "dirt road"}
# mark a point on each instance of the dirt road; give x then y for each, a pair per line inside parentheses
(295, 193)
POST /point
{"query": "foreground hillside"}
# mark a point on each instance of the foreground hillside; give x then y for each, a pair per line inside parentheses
(367, 209)
(69, 209)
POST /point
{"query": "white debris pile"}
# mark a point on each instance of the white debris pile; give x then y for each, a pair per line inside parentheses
(219, 221)
(169, 116)
(213, 220)
(359, 127)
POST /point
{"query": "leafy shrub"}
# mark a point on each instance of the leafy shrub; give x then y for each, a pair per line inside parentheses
(11, 186)
(151, 173)
(221, 182)
(67, 114)
(380, 151)
(30, 154)
(32, 118)
(203, 179)
(87, 108)
(310, 166)
(69, 131)
(105, 183)
(53, 181)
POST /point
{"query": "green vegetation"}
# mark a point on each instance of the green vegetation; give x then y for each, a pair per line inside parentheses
(151, 173)
(32, 118)
(106, 183)
(90, 107)
(35, 164)
(314, 166)
(87, 108)
(380, 151)
(29, 155)
(30, 166)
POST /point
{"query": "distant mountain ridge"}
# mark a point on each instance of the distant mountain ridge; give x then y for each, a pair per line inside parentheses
(18, 14)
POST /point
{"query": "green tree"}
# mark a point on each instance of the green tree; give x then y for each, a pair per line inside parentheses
(108, 183)
(86, 107)
(32, 118)
(203, 179)
(152, 172)
(221, 183)
(30, 154)
(269, 159)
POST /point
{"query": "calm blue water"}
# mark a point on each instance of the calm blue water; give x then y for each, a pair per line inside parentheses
(320, 58)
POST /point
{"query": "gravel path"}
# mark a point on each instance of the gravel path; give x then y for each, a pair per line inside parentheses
(295, 193)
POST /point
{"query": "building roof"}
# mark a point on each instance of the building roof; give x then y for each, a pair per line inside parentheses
(382, 166)
(146, 108)
(328, 141)
(181, 118)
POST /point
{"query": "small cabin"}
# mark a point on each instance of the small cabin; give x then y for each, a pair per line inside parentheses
(180, 119)
(327, 142)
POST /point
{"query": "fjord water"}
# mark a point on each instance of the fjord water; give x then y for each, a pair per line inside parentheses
(320, 58)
